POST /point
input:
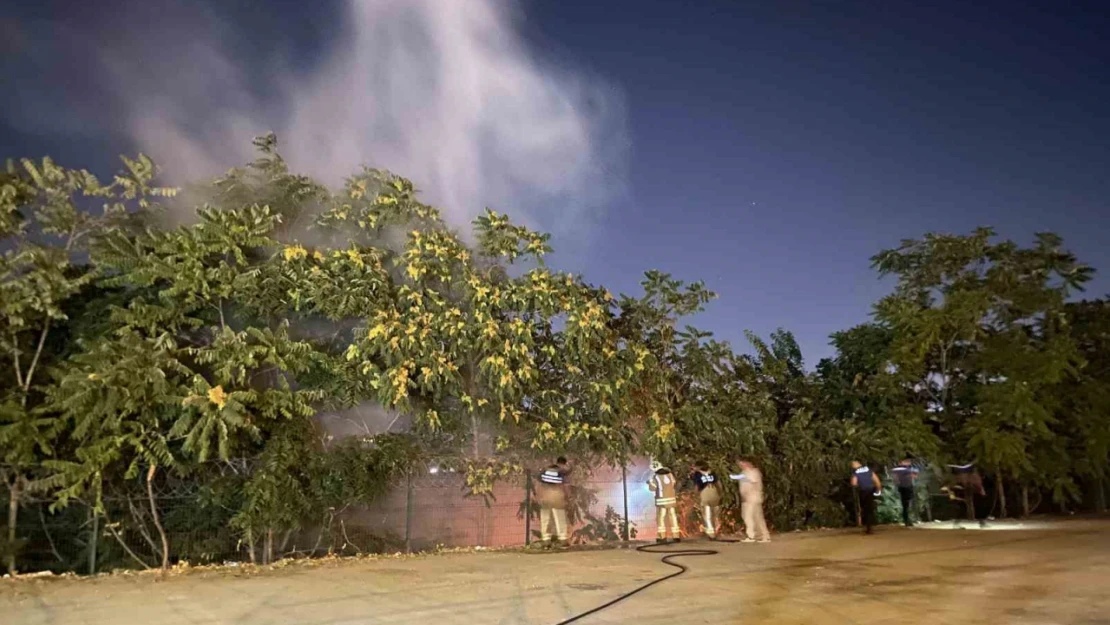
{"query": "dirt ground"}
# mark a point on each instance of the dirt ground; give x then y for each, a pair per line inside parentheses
(1039, 572)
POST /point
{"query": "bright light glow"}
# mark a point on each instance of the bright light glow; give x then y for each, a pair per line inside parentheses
(433, 470)
(991, 525)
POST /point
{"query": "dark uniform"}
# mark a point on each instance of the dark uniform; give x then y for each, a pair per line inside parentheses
(865, 484)
(904, 477)
(709, 495)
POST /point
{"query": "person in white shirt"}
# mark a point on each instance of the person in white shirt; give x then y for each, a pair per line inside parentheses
(751, 507)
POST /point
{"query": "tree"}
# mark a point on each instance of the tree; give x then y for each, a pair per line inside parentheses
(47, 222)
(1084, 396)
(975, 324)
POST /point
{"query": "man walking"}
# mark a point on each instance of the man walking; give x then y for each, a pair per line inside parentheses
(969, 482)
(751, 506)
(905, 474)
(867, 486)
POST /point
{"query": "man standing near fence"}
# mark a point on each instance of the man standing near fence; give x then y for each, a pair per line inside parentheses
(552, 495)
(867, 487)
(751, 505)
(905, 474)
(709, 497)
(662, 484)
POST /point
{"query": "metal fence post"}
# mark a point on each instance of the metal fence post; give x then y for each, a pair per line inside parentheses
(94, 538)
(527, 507)
(624, 486)
(408, 515)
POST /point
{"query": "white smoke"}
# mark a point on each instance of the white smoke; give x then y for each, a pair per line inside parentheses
(444, 92)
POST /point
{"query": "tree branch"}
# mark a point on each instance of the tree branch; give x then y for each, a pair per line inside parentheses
(119, 539)
(35, 360)
(49, 538)
(154, 514)
(15, 358)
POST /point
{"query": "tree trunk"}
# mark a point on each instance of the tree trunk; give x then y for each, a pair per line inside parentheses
(268, 555)
(94, 540)
(1100, 495)
(13, 518)
(250, 546)
(157, 521)
(1025, 511)
(1001, 487)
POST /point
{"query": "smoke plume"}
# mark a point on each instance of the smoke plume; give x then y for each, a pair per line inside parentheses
(445, 92)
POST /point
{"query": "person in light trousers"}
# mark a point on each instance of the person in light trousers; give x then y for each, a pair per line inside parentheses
(552, 495)
(751, 507)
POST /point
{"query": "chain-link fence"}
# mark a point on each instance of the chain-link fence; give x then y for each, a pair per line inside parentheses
(423, 511)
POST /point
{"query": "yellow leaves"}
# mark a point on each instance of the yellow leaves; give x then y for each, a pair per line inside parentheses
(506, 379)
(399, 379)
(414, 271)
(352, 352)
(217, 396)
(395, 342)
(665, 431)
(93, 377)
(318, 257)
(606, 295)
(482, 401)
(356, 258)
(376, 331)
(385, 200)
(294, 252)
(431, 418)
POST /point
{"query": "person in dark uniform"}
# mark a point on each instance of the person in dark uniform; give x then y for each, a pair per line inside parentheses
(551, 492)
(905, 474)
(709, 497)
(867, 486)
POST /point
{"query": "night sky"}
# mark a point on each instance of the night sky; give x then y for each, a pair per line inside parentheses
(768, 148)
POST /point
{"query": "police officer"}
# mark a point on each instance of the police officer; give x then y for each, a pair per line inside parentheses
(662, 484)
(709, 496)
(905, 474)
(868, 487)
(552, 495)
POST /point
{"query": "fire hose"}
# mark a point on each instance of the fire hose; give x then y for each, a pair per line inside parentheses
(667, 559)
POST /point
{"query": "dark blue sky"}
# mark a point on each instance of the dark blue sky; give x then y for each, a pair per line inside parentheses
(776, 146)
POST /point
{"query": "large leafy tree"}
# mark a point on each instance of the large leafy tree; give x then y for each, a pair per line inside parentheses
(48, 216)
(975, 325)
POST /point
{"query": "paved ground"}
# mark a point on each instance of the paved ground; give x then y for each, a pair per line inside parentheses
(1042, 573)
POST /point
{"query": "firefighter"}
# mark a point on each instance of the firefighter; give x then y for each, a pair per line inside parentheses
(662, 485)
(709, 496)
(552, 495)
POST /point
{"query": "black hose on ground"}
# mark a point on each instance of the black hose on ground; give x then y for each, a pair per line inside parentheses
(666, 559)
